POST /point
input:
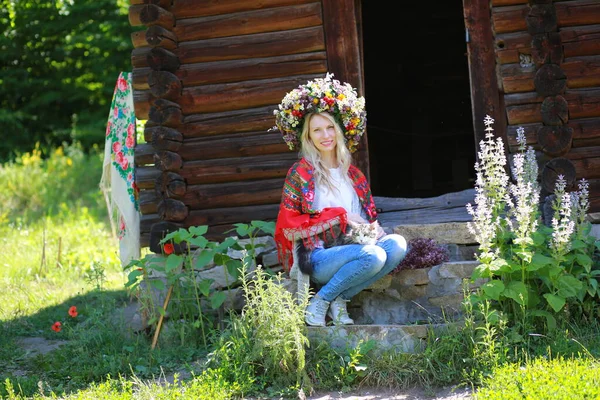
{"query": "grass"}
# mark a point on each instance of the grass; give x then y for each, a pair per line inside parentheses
(58, 252)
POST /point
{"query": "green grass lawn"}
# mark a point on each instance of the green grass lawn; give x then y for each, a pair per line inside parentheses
(58, 252)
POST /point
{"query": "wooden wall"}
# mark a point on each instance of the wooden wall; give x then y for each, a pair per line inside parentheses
(207, 76)
(548, 56)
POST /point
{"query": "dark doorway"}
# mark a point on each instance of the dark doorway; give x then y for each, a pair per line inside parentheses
(419, 121)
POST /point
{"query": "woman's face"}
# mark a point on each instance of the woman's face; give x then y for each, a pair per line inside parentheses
(322, 133)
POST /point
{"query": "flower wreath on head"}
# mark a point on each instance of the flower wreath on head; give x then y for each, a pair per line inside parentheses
(322, 95)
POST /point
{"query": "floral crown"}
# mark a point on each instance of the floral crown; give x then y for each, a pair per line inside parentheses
(320, 95)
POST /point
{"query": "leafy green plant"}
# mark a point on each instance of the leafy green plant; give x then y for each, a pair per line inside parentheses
(532, 270)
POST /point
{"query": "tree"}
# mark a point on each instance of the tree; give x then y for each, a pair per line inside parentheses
(59, 61)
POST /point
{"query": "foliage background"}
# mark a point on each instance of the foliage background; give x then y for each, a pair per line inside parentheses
(59, 61)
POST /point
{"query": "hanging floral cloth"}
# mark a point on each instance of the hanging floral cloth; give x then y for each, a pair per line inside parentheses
(118, 174)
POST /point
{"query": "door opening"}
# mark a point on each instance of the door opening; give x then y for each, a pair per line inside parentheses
(419, 120)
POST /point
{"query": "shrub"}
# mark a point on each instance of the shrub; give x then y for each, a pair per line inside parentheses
(422, 253)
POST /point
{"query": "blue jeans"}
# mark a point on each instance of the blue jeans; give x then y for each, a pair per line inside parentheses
(346, 270)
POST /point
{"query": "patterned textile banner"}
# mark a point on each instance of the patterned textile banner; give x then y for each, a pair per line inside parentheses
(118, 173)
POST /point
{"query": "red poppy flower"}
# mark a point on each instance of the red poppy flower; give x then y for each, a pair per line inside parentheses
(73, 311)
(169, 249)
(56, 327)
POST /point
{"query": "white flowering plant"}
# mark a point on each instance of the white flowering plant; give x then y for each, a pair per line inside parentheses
(322, 95)
(531, 270)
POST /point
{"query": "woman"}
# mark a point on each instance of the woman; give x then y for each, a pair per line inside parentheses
(324, 120)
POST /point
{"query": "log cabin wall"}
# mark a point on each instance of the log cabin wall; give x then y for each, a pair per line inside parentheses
(548, 58)
(207, 76)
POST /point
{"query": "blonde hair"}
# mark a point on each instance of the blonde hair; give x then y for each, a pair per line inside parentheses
(309, 151)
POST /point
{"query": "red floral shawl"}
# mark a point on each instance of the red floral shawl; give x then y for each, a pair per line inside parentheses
(298, 219)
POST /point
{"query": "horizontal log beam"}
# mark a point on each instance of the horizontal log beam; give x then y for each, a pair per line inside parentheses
(239, 95)
(498, 3)
(235, 145)
(582, 71)
(166, 4)
(249, 22)
(577, 12)
(586, 133)
(582, 103)
(251, 69)
(510, 18)
(211, 124)
(251, 46)
(145, 176)
(199, 8)
(234, 194)
(150, 14)
(580, 40)
(509, 45)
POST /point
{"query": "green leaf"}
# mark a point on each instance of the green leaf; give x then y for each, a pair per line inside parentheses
(178, 236)
(205, 257)
(157, 284)
(584, 260)
(524, 255)
(221, 259)
(538, 239)
(234, 267)
(216, 299)
(173, 261)
(226, 244)
(539, 261)
(578, 244)
(199, 241)
(204, 286)
(132, 278)
(550, 320)
(198, 230)
(242, 229)
(266, 227)
(493, 289)
(568, 286)
(517, 291)
(555, 302)
(499, 264)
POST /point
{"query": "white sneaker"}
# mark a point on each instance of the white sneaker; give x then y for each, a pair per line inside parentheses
(315, 311)
(339, 313)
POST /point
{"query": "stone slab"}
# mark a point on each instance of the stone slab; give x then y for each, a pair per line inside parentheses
(449, 232)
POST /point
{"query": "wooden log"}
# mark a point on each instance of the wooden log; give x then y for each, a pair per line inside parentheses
(485, 95)
(147, 202)
(237, 169)
(510, 46)
(146, 176)
(586, 133)
(554, 168)
(163, 138)
(581, 153)
(158, 36)
(516, 79)
(218, 216)
(577, 12)
(249, 22)
(546, 48)
(254, 68)
(510, 18)
(555, 140)
(541, 19)
(582, 72)
(270, 44)
(555, 111)
(172, 210)
(247, 120)
(170, 184)
(588, 168)
(234, 194)
(238, 95)
(234, 145)
(160, 59)
(150, 14)
(167, 161)
(166, 113)
(498, 3)
(200, 8)
(448, 200)
(165, 85)
(138, 57)
(144, 154)
(550, 80)
(583, 103)
(138, 39)
(581, 40)
(139, 78)
(166, 4)
(142, 103)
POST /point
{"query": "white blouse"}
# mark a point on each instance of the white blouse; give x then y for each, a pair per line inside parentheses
(345, 195)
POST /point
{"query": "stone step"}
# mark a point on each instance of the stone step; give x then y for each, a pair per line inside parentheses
(403, 338)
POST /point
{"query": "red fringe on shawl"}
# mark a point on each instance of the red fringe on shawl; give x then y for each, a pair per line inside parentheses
(300, 226)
